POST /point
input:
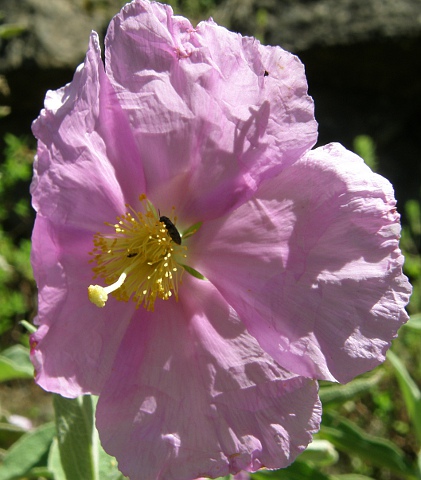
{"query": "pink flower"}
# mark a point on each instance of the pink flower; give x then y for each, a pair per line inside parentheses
(181, 178)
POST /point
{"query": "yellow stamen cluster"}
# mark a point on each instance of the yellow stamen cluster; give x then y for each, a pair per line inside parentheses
(139, 260)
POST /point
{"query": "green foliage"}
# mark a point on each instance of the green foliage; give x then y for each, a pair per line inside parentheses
(360, 421)
(15, 363)
(411, 247)
(74, 422)
(67, 450)
(297, 471)
(16, 282)
(410, 392)
(320, 453)
(334, 394)
(347, 436)
(10, 30)
(28, 452)
(262, 20)
(365, 148)
(80, 452)
(195, 10)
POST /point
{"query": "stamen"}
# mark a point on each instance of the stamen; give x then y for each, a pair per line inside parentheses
(142, 259)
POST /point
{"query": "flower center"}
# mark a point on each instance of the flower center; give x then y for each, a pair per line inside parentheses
(141, 259)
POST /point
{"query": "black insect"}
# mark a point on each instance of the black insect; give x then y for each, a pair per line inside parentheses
(171, 229)
(130, 255)
(266, 73)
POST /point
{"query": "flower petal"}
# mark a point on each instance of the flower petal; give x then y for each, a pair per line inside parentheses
(312, 265)
(85, 151)
(211, 110)
(192, 394)
(74, 348)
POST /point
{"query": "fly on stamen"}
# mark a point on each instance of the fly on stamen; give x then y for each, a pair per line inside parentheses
(171, 229)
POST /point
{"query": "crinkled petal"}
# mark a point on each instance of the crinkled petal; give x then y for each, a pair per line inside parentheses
(211, 110)
(312, 265)
(74, 348)
(192, 394)
(87, 163)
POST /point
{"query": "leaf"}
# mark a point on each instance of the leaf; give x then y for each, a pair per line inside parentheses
(10, 30)
(40, 473)
(191, 230)
(410, 393)
(29, 327)
(193, 272)
(365, 148)
(15, 363)
(75, 426)
(340, 393)
(9, 434)
(297, 471)
(351, 476)
(54, 461)
(27, 452)
(349, 438)
(414, 322)
(320, 453)
(413, 213)
(81, 453)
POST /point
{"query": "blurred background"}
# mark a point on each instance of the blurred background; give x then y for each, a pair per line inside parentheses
(363, 64)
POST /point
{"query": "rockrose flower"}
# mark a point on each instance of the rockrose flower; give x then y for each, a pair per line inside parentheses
(199, 267)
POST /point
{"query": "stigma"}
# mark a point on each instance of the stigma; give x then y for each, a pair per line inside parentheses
(141, 258)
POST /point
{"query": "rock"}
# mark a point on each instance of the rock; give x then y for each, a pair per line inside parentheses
(53, 39)
(56, 32)
(300, 25)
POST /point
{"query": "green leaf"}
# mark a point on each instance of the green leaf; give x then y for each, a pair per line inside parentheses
(419, 463)
(54, 461)
(27, 452)
(297, 471)
(10, 30)
(410, 392)
(341, 393)
(349, 438)
(75, 429)
(365, 148)
(414, 322)
(351, 476)
(9, 434)
(320, 453)
(413, 213)
(80, 452)
(15, 363)
(31, 328)
(39, 472)
(191, 230)
(193, 272)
